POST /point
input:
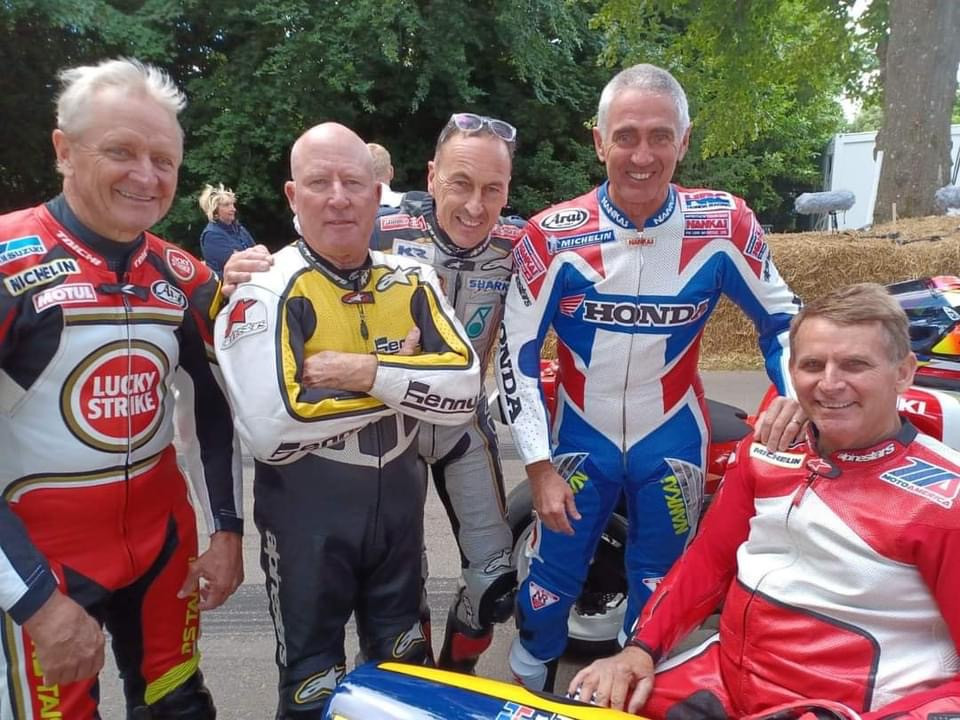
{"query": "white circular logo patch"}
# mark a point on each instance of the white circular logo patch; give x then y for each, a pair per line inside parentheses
(115, 396)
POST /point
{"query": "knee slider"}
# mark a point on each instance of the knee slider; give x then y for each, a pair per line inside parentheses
(188, 701)
(409, 646)
(497, 603)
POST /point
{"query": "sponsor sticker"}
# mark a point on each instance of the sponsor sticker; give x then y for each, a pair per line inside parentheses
(788, 460)
(423, 252)
(572, 242)
(21, 247)
(115, 395)
(566, 219)
(420, 397)
(570, 304)
(476, 323)
(484, 285)
(319, 685)
(527, 260)
(168, 293)
(700, 225)
(929, 481)
(401, 221)
(398, 276)
(706, 200)
(180, 264)
(756, 247)
(246, 317)
(66, 294)
(507, 231)
(869, 456)
(38, 275)
(540, 597)
(627, 314)
(78, 249)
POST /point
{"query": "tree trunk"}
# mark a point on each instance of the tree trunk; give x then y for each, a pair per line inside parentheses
(919, 91)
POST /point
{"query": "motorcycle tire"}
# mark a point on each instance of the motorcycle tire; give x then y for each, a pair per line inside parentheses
(597, 616)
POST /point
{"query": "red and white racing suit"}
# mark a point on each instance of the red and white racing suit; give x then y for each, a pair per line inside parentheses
(92, 500)
(840, 579)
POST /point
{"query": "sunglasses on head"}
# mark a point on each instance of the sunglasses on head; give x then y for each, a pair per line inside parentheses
(469, 122)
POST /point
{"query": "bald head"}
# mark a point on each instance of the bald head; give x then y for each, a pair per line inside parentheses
(326, 138)
(334, 193)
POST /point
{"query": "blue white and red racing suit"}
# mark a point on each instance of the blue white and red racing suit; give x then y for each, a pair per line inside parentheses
(838, 576)
(628, 307)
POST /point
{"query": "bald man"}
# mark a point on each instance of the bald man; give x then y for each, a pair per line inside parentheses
(331, 359)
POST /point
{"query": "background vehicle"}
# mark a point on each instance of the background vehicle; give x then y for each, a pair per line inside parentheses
(932, 404)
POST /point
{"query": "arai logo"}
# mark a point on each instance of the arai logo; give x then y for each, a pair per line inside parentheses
(567, 219)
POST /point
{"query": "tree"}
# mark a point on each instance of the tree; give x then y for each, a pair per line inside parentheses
(762, 79)
(922, 54)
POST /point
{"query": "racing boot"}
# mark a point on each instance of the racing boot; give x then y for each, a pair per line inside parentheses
(462, 644)
(533, 673)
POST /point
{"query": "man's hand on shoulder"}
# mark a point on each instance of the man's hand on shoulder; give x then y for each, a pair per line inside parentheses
(780, 424)
(241, 265)
(68, 641)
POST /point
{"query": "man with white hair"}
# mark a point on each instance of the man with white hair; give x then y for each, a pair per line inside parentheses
(626, 275)
(97, 316)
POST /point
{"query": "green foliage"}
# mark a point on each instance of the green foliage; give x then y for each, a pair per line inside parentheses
(761, 76)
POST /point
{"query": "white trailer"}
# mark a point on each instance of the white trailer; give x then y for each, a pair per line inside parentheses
(848, 164)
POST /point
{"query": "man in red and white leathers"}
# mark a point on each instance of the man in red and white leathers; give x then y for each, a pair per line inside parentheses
(838, 567)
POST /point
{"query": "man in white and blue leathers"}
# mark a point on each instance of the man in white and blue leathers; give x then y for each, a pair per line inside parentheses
(627, 276)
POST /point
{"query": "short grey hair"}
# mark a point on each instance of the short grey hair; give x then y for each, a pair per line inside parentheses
(648, 78)
(80, 84)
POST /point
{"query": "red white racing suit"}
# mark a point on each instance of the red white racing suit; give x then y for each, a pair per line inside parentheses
(840, 579)
(93, 502)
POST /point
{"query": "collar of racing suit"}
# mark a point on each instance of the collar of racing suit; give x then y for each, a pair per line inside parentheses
(419, 203)
(351, 279)
(116, 254)
(832, 465)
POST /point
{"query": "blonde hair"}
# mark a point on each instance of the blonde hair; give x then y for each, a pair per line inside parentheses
(856, 305)
(213, 197)
(79, 85)
(382, 164)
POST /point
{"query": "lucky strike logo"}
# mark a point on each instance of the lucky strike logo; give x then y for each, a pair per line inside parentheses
(114, 398)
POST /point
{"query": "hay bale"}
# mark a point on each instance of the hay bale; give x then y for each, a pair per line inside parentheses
(815, 263)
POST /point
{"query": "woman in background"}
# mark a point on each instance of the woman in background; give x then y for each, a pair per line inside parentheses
(223, 235)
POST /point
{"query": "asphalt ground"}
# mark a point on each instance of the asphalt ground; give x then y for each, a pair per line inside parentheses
(238, 640)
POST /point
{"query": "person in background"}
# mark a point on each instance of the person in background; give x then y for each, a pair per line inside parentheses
(224, 234)
(383, 171)
(332, 357)
(836, 560)
(98, 318)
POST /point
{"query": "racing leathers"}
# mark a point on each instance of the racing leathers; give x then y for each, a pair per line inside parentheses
(839, 576)
(338, 489)
(464, 459)
(92, 335)
(628, 306)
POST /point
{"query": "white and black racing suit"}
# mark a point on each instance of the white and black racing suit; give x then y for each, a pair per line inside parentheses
(338, 489)
(464, 459)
